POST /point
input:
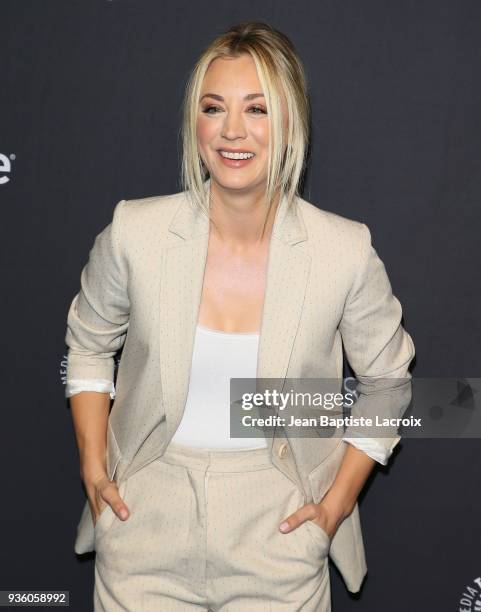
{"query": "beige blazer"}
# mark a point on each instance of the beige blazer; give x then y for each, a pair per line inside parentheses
(326, 287)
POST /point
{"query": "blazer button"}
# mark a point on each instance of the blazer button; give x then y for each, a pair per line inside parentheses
(283, 450)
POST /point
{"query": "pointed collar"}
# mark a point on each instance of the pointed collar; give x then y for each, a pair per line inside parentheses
(188, 222)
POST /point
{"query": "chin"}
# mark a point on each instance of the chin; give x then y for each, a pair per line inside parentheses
(230, 182)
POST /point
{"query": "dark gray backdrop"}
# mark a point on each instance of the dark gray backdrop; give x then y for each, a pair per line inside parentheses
(90, 109)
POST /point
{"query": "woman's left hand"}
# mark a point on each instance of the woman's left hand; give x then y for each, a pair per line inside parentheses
(326, 518)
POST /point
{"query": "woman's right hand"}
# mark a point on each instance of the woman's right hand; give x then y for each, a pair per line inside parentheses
(102, 492)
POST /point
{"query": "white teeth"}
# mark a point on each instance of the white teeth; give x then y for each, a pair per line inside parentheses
(236, 155)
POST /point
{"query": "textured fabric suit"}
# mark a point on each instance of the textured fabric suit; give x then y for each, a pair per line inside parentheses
(326, 288)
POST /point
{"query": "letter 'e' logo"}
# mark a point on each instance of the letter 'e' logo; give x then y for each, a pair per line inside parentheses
(5, 167)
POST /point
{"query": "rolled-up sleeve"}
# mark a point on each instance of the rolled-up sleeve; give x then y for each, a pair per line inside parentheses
(75, 385)
(372, 448)
(378, 349)
(98, 317)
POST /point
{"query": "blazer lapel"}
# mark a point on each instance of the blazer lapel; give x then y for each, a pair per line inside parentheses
(182, 274)
(180, 293)
(288, 270)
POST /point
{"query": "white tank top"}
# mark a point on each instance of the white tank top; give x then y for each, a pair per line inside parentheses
(217, 356)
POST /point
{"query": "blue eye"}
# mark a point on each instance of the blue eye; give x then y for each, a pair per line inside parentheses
(254, 110)
(258, 108)
(208, 108)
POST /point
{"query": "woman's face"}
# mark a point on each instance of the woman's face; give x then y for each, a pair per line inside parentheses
(232, 117)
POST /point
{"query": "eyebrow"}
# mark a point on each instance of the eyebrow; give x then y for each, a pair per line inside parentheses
(221, 99)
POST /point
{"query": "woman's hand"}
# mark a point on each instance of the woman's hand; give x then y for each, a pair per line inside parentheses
(326, 517)
(90, 412)
(103, 492)
(339, 501)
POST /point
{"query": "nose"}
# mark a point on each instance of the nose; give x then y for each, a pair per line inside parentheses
(233, 126)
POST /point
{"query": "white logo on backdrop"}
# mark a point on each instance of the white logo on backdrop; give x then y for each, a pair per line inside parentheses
(5, 167)
(471, 598)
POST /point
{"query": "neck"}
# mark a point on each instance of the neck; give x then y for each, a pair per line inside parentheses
(241, 217)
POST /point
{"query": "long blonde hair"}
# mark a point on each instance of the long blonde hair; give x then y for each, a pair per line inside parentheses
(280, 71)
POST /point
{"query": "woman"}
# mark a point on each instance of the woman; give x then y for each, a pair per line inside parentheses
(235, 277)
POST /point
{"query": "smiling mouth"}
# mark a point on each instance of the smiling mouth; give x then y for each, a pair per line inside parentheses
(236, 155)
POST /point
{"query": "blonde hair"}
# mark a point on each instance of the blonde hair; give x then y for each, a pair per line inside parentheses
(280, 72)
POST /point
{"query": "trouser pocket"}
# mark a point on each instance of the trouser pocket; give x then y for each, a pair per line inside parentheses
(107, 517)
(318, 540)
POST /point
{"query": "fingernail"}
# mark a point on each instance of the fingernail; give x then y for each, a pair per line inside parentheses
(123, 513)
(284, 526)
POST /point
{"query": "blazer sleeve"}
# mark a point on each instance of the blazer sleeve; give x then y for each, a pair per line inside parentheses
(377, 347)
(98, 317)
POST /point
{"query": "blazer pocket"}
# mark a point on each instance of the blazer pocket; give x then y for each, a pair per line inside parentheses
(322, 476)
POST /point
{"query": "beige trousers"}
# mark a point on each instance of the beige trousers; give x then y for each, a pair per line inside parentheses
(203, 534)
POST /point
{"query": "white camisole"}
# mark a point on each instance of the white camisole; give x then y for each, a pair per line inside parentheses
(217, 356)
